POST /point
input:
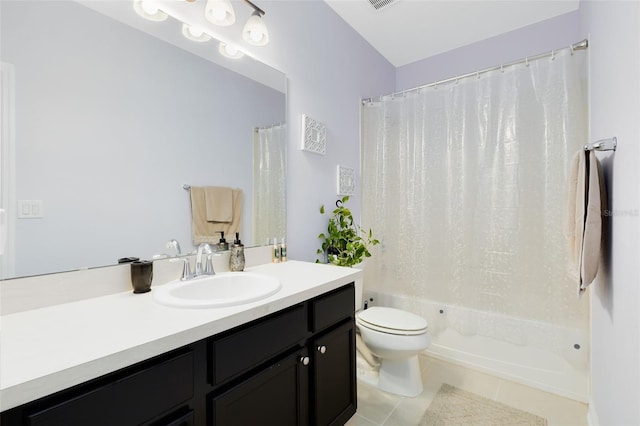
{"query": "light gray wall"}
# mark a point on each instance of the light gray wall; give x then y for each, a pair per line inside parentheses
(613, 28)
(553, 33)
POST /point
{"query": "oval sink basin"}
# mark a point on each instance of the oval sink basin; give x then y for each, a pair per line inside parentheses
(222, 289)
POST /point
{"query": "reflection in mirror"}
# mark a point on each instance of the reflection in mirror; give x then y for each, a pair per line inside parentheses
(109, 123)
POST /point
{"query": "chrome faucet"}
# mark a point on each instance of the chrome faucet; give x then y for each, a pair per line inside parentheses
(186, 271)
(174, 244)
(204, 248)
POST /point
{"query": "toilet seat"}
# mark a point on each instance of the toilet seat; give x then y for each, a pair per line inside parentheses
(391, 321)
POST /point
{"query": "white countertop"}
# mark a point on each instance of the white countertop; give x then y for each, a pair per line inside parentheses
(46, 350)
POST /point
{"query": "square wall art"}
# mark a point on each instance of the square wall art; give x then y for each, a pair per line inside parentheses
(346, 180)
(314, 135)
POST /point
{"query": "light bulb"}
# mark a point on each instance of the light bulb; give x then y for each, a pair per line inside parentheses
(195, 31)
(255, 31)
(230, 51)
(255, 35)
(219, 12)
(150, 7)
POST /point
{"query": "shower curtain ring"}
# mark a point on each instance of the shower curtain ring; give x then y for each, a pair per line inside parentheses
(526, 61)
(553, 55)
(501, 68)
(572, 49)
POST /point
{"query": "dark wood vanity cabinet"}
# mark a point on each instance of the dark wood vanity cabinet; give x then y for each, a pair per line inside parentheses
(312, 382)
(293, 367)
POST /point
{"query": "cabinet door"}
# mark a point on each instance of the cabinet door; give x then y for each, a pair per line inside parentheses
(278, 395)
(334, 376)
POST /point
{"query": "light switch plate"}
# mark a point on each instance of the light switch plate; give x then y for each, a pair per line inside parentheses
(30, 209)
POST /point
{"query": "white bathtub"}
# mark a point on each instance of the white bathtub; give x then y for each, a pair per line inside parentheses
(534, 353)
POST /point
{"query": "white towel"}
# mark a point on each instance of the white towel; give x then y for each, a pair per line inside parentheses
(583, 221)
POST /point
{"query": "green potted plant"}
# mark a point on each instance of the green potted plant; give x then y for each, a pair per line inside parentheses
(344, 243)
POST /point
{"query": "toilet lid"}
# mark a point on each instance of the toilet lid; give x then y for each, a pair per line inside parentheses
(391, 320)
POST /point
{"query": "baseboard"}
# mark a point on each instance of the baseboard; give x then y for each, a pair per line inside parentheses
(592, 416)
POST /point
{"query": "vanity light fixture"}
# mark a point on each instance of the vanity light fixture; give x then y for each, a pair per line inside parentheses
(220, 12)
(194, 33)
(148, 9)
(230, 51)
(255, 31)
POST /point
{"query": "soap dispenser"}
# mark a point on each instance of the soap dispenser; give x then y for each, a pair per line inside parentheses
(222, 245)
(236, 259)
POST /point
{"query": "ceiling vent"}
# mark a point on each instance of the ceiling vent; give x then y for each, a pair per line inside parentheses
(382, 4)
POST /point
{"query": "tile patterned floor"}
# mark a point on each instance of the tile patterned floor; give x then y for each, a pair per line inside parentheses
(377, 408)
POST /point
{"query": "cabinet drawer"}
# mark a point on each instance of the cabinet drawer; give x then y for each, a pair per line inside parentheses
(256, 343)
(333, 307)
(130, 400)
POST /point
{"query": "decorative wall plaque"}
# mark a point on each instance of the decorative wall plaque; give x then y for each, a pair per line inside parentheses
(346, 181)
(314, 135)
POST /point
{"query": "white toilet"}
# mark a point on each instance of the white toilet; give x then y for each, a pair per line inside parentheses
(396, 337)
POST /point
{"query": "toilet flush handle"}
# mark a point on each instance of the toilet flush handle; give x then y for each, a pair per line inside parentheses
(322, 349)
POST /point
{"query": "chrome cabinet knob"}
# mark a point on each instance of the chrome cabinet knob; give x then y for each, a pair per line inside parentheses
(322, 349)
(304, 360)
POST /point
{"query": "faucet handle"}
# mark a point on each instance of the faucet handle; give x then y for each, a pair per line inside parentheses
(186, 271)
(208, 267)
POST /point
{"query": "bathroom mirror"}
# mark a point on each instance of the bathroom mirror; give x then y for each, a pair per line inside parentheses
(110, 121)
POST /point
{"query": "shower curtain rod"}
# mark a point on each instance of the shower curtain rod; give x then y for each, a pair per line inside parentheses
(581, 45)
(272, 126)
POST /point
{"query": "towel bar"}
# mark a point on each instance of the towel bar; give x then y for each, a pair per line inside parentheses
(603, 145)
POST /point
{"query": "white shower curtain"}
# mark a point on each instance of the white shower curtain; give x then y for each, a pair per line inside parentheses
(464, 185)
(269, 183)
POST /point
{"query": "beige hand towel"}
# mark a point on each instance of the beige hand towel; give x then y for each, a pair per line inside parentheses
(583, 221)
(219, 203)
(204, 231)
